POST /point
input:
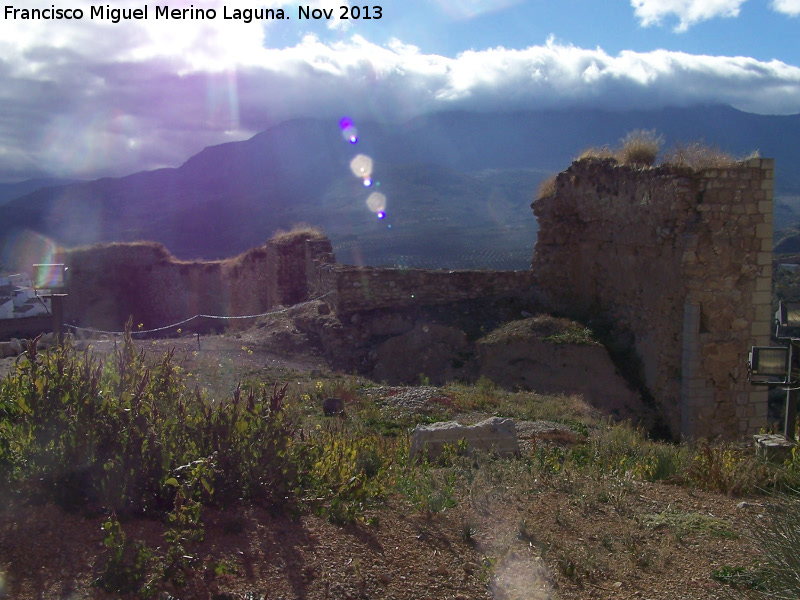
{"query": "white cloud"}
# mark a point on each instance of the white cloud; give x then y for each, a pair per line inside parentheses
(688, 12)
(91, 99)
(789, 7)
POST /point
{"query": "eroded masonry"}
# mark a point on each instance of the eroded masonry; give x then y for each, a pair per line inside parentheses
(672, 265)
(680, 263)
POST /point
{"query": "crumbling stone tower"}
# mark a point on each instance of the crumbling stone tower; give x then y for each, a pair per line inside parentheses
(679, 263)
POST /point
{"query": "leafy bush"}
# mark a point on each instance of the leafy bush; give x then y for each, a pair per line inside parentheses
(344, 473)
(728, 469)
(113, 435)
(779, 541)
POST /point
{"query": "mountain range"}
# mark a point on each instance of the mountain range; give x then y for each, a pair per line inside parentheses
(457, 186)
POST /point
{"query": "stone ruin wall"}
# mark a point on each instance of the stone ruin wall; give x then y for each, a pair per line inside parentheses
(108, 283)
(361, 289)
(679, 263)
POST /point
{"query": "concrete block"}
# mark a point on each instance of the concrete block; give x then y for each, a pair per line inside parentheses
(768, 163)
(492, 435)
(773, 447)
(766, 206)
(767, 184)
(754, 163)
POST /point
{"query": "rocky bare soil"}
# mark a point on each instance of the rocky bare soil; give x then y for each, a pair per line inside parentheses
(563, 535)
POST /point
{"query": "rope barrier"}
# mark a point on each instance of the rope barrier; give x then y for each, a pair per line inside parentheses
(190, 319)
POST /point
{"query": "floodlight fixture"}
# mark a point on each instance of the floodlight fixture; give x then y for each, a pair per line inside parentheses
(49, 276)
(788, 320)
(769, 365)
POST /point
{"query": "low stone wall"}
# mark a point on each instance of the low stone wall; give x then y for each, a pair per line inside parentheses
(678, 263)
(25, 327)
(359, 289)
(107, 284)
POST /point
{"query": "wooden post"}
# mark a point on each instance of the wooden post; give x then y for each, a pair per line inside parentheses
(791, 414)
(57, 311)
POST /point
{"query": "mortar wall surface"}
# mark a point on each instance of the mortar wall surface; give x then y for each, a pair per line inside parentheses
(107, 284)
(358, 289)
(631, 248)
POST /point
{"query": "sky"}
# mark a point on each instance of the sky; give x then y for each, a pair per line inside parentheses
(87, 97)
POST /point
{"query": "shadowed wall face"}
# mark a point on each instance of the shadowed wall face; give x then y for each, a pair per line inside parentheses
(679, 264)
(109, 283)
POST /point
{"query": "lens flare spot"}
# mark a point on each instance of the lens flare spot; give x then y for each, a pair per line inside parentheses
(349, 131)
(25, 248)
(361, 166)
(367, 182)
(381, 215)
(377, 203)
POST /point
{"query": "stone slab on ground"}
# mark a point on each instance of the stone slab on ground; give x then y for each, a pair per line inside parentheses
(492, 435)
(773, 447)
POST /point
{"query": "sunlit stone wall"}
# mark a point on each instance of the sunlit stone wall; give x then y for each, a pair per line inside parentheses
(679, 264)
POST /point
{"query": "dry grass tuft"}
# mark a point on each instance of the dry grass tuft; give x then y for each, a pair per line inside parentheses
(699, 156)
(298, 232)
(593, 153)
(547, 188)
(640, 148)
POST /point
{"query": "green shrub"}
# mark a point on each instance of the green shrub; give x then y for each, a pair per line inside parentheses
(728, 469)
(779, 540)
(108, 436)
(343, 473)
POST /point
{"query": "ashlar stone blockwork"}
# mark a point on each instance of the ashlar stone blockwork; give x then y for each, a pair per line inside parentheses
(678, 261)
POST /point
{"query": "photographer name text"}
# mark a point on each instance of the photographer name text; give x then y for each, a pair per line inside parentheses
(164, 12)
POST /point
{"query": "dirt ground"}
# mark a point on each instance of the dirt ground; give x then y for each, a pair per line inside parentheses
(565, 540)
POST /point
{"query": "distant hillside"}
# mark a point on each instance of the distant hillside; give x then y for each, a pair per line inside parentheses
(458, 185)
(12, 191)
